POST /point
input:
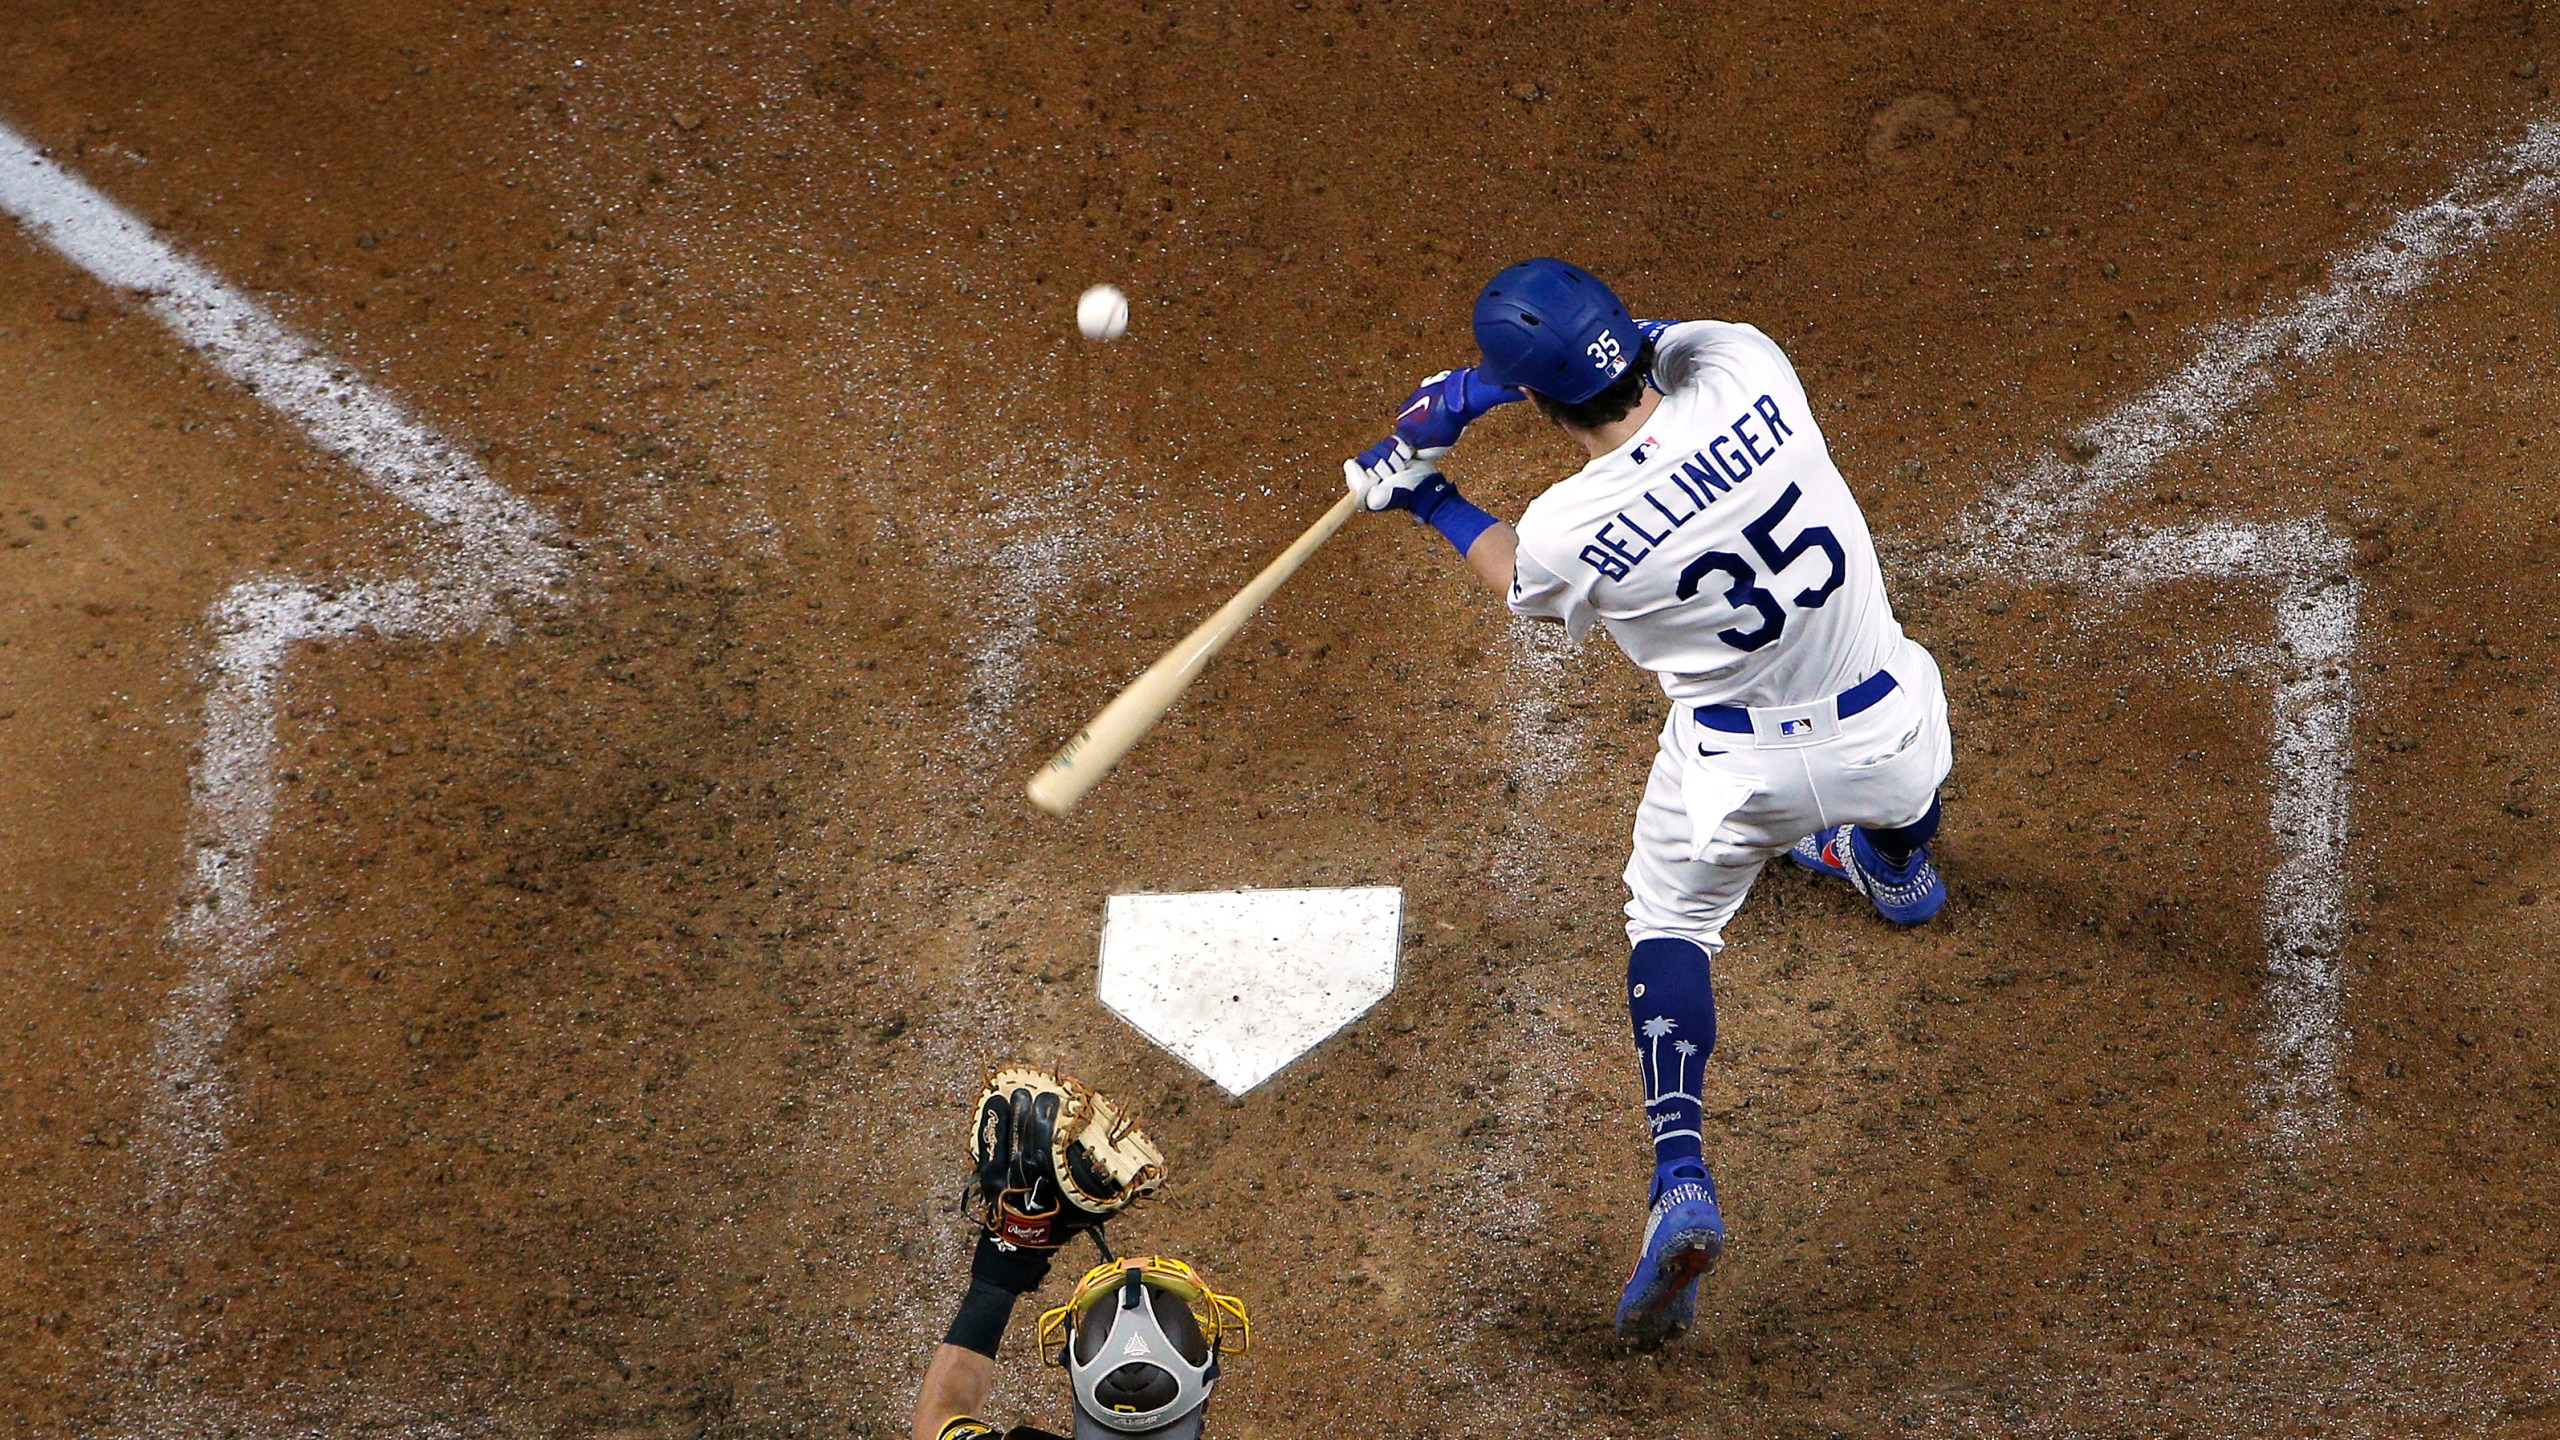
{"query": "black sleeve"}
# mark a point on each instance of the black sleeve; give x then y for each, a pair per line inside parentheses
(980, 1321)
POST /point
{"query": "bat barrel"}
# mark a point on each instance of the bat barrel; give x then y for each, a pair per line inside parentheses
(1083, 761)
(1057, 786)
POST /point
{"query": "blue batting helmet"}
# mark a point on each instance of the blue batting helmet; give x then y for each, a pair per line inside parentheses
(1554, 328)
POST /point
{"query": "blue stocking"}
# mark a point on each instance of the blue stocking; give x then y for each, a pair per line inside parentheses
(1899, 845)
(1671, 1000)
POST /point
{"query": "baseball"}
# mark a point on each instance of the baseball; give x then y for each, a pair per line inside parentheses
(1102, 313)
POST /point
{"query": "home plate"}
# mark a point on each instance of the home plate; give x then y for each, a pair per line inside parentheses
(1238, 983)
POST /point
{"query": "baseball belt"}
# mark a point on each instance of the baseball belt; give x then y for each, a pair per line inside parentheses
(1858, 698)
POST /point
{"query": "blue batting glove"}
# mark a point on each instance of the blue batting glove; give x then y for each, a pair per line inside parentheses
(1380, 453)
(1446, 404)
(1403, 478)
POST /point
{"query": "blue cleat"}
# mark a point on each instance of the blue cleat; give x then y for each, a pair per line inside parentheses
(1904, 894)
(1682, 1240)
(1819, 853)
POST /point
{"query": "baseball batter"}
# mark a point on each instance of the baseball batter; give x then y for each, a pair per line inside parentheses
(1715, 541)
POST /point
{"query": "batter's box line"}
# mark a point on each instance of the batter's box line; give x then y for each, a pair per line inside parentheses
(2236, 364)
(222, 924)
(2029, 528)
(2310, 751)
(490, 548)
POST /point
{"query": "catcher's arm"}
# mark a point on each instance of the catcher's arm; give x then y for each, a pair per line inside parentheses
(1051, 1160)
(957, 1383)
(956, 1386)
(963, 1372)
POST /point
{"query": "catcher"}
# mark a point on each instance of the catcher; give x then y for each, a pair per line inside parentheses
(1140, 1338)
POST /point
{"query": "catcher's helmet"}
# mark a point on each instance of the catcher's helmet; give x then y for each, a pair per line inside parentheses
(1554, 328)
(1141, 1338)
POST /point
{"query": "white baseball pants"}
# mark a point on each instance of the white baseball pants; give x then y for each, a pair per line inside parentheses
(1720, 805)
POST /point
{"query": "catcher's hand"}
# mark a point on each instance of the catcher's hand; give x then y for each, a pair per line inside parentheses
(1054, 1158)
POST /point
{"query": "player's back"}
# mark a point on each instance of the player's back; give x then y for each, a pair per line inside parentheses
(1720, 547)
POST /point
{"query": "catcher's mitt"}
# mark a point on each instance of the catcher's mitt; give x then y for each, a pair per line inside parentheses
(1053, 1158)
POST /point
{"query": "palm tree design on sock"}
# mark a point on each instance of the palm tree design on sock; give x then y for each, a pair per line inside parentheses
(1655, 1031)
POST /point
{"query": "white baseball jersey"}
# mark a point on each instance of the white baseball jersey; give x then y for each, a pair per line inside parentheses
(1720, 546)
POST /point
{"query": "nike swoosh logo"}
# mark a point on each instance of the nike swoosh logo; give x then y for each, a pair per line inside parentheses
(1422, 404)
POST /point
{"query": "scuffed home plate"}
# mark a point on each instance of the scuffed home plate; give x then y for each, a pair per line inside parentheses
(1238, 983)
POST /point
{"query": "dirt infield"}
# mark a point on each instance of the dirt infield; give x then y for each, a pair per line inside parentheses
(592, 1060)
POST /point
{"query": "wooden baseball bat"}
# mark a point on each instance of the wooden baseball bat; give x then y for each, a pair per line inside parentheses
(1107, 736)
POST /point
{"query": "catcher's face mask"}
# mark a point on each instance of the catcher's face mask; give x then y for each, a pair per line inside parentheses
(1141, 1339)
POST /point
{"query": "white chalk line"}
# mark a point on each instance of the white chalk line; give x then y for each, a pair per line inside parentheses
(1041, 555)
(2031, 530)
(1548, 744)
(2311, 749)
(2039, 528)
(497, 535)
(486, 547)
(1549, 748)
(2014, 528)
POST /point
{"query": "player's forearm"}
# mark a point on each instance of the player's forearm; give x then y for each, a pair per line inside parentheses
(1491, 557)
(964, 1365)
(958, 1382)
(1392, 475)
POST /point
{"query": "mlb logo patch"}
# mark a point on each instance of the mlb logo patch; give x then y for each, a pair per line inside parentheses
(1796, 727)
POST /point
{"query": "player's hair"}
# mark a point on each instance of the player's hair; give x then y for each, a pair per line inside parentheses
(1610, 405)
